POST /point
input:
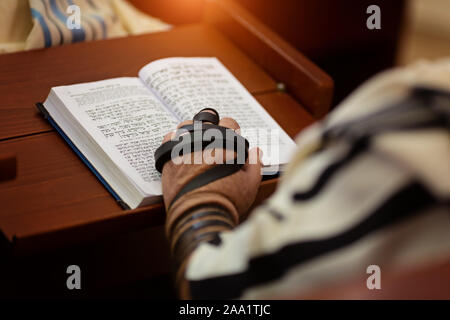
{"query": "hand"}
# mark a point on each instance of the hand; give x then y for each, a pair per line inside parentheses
(202, 214)
(235, 193)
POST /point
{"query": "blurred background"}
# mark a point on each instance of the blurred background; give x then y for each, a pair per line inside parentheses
(427, 31)
(333, 33)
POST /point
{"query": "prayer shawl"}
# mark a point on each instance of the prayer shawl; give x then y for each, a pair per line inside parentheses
(32, 24)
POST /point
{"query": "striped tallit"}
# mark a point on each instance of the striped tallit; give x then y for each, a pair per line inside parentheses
(370, 185)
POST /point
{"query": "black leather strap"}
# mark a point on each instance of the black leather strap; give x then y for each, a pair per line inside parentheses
(206, 117)
(190, 232)
(199, 142)
(215, 173)
(203, 116)
(188, 138)
(205, 126)
(210, 212)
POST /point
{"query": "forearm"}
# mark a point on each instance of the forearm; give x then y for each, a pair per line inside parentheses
(188, 227)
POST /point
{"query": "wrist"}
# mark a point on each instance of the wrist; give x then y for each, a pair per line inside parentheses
(190, 225)
(199, 201)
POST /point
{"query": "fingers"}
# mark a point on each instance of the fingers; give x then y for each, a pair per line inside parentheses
(230, 123)
(169, 136)
(224, 122)
(184, 123)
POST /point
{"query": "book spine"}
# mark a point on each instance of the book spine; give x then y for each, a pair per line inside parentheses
(58, 129)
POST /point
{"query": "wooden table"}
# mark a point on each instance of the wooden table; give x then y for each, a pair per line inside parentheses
(53, 200)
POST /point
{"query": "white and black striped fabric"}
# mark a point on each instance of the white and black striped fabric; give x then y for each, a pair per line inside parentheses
(98, 21)
(369, 186)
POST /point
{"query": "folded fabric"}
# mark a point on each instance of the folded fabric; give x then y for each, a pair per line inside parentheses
(32, 24)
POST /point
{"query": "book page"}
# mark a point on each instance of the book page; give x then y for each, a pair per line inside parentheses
(126, 120)
(187, 85)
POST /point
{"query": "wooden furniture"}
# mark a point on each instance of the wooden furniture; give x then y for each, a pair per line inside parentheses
(333, 34)
(55, 202)
(8, 167)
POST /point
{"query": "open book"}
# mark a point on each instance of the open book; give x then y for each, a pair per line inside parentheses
(116, 125)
